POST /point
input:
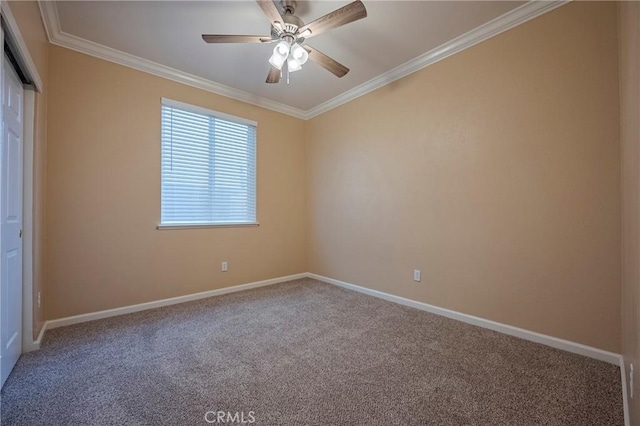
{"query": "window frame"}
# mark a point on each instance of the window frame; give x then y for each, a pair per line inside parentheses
(220, 115)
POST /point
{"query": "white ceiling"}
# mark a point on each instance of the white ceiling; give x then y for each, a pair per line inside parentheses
(168, 33)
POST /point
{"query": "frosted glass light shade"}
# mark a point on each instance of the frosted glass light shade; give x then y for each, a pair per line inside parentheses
(293, 64)
(282, 48)
(280, 54)
(277, 60)
(299, 54)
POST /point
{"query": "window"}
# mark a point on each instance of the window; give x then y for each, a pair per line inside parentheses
(208, 167)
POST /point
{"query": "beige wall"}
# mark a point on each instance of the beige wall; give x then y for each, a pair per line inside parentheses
(629, 38)
(27, 16)
(496, 172)
(103, 177)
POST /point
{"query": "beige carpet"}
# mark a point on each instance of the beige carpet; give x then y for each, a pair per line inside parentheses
(302, 352)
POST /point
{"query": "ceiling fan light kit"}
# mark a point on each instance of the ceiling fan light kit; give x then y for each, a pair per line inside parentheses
(289, 32)
(294, 55)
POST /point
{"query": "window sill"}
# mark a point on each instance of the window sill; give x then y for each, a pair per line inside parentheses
(162, 227)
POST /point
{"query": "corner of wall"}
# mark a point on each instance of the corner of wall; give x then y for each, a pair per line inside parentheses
(629, 80)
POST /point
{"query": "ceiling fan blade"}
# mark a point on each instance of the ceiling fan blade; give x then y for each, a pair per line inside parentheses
(337, 18)
(223, 38)
(270, 9)
(274, 75)
(326, 62)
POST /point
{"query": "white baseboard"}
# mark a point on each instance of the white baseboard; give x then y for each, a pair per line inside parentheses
(76, 319)
(34, 345)
(554, 342)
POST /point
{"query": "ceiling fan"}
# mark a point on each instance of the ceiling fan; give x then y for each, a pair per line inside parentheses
(289, 32)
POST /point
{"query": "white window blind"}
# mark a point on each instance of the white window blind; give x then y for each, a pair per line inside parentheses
(208, 167)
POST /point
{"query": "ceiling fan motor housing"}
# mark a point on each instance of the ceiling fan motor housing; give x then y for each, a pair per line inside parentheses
(293, 20)
(290, 25)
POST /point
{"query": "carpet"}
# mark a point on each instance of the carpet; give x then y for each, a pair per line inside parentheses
(302, 353)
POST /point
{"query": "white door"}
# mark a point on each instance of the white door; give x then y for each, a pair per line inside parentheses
(11, 221)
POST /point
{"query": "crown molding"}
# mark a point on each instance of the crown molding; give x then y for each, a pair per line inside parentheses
(511, 19)
(49, 13)
(50, 18)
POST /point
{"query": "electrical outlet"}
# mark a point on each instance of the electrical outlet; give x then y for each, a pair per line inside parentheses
(416, 275)
(631, 379)
(38, 300)
(225, 267)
